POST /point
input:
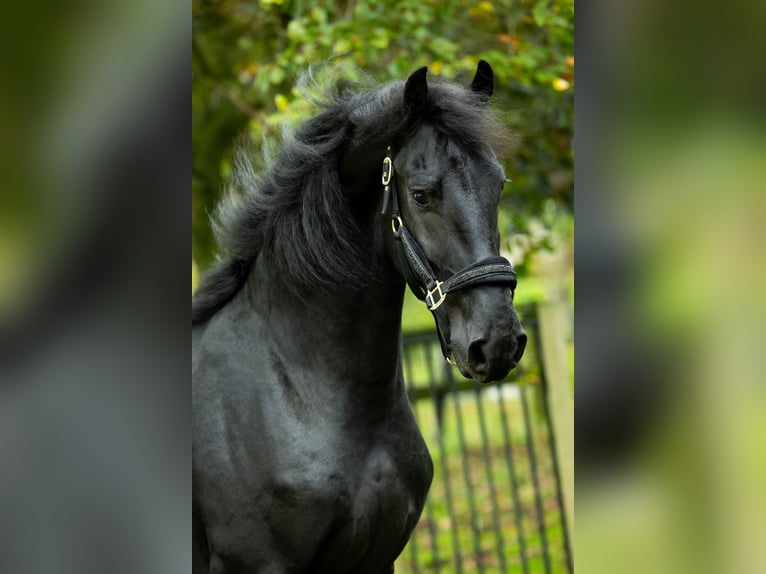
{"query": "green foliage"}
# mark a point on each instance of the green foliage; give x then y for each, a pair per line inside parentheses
(246, 58)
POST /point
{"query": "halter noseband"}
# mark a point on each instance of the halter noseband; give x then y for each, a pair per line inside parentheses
(419, 274)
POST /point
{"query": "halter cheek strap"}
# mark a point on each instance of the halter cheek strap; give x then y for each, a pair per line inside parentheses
(418, 272)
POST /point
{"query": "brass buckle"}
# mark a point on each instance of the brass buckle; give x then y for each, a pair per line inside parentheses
(433, 305)
(388, 170)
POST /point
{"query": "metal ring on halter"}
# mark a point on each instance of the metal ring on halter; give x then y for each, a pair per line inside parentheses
(396, 224)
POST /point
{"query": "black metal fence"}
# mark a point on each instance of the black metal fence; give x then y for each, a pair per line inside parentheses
(495, 505)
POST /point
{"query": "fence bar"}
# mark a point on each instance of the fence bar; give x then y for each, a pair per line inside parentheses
(555, 374)
(466, 474)
(535, 481)
(445, 468)
(517, 508)
(490, 480)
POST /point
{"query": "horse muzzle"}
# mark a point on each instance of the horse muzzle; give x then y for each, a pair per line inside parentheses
(487, 345)
(492, 359)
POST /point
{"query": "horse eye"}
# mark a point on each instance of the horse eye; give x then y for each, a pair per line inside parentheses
(420, 197)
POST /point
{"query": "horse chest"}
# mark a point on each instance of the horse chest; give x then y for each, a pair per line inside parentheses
(366, 512)
(289, 481)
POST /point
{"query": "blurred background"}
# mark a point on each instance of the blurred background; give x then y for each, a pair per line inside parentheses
(503, 488)
(94, 399)
(671, 378)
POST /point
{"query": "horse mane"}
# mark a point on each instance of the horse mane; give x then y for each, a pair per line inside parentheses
(298, 210)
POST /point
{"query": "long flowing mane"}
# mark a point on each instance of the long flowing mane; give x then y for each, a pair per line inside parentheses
(298, 210)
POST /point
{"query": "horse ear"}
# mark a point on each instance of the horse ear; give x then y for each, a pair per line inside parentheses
(484, 80)
(416, 92)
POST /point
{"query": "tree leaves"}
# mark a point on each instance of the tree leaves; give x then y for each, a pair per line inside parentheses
(247, 56)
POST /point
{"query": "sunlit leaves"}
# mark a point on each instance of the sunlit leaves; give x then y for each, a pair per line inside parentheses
(281, 102)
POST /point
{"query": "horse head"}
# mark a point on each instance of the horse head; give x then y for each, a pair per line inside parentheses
(446, 191)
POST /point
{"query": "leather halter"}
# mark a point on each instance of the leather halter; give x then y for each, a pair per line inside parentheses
(418, 272)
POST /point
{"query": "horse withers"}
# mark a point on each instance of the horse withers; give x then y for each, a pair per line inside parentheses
(306, 455)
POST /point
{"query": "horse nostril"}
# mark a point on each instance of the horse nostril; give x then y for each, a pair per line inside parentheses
(476, 357)
(521, 344)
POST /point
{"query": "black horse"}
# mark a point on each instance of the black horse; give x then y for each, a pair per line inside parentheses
(306, 456)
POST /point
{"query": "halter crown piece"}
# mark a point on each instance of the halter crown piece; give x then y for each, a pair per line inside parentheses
(419, 274)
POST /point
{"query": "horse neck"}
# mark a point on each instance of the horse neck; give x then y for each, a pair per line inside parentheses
(344, 335)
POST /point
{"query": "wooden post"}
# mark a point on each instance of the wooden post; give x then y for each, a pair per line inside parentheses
(554, 355)
(554, 329)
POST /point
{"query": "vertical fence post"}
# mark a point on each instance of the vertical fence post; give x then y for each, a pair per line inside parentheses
(554, 359)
